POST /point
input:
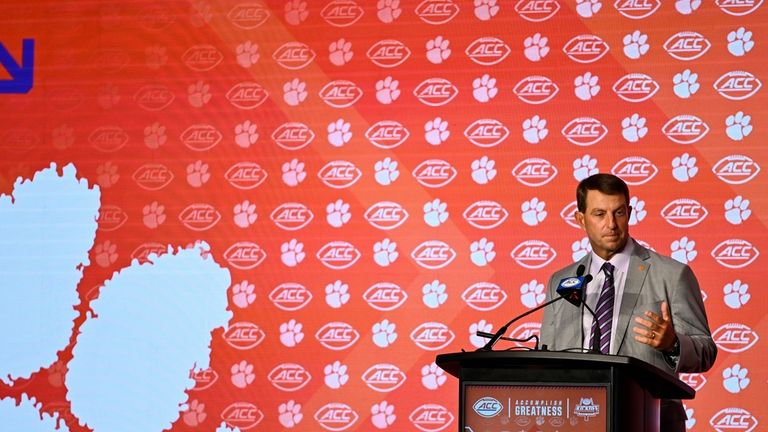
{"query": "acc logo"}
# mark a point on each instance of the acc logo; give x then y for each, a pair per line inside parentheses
(684, 212)
(585, 48)
(488, 51)
(435, 91)
(535, 89)
(635, 170)
(383, 377)
(107, 139)
(201, 58)
(111, 59)
(431, 417)
(200, 137)
(437, 12)
(204, 378)
(433, 254)
(637, 9)
(386, 215)
(534, 172)
(290, 296)
(385, 296)
(533, 254)
(487, 407)
(248, 16)
(294, 55)
(245, 175)
(738, 7)
(154, 97)
(65, 99)
(694, 380)
(244, 255)
(685, 129)
(387, 134)
(484, 296)
(568, 214)
(733, 419)
(734, 337)
(339, 174)
(336, 416)
(584, 131)
(737, 85)
(199, 217)
(111, 217)
(289, 377)
(635, 87)
(687, 45)
(247, 95)
(341, 13)
(152, 176)
(243, 335)
(434, 173)
(338, 255)
(432, 336)
(524, 331)
(291, 216)
(156, 17)
(293, 135)
(340, 93)
(485, 214)
(242, 415)
(22, 140)
(388, 53)
(337, 336)
(537, 10)
(736, 169)
(486, 133)
(145, 250)
(735, 253)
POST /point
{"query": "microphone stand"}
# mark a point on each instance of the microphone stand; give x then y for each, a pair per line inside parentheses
(503, 330)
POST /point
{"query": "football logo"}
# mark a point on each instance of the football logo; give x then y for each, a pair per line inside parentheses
(534, 172)
(152, 176)
(734, 337)
(290, 296)
(585, 48)
(584, 131)
(388, 53)
(537, 10)
(293, 135)
(244, 255)
(386, 215)
(339, 174)
(684, 212)
(247, 95)
(533, 254)
(437, 12)
(435, 92)
(738, 7)
(202, 58)
(433, 254)
(434, 173)
(243, 335)
(107, 139)
(484, 296)
(737, 85)
(199, 217)
(338, 255)
(486, 133)
(291, 216)
(535, 89)
(488, 51)
(200, 137)
(245, 175)
(336, 416)
(154, 97)
(635, 170)
(637, 9)
(485, 214)
(341, 13)
(431, 418)
(383, 377)
(341, 93)
(568, 214)
(736, 169)
(289, 377)
(735, 253)
(687, 45)
(111, 217)
(242, 415)
(385, 296)
(432, 336)
(248, 16)
(635, 87)
(337, 336)
(387, 134)
(294, 55)
(685, 129)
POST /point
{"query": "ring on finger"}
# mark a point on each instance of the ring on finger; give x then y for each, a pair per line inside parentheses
(653, 335)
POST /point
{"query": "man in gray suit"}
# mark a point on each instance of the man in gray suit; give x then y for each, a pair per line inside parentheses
(658, 296)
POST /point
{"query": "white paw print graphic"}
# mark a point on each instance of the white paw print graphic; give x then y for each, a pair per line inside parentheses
(691, 422)
(474, 339)
(735, 378)
(584, 167)
(484, 88)
(388, 10)
(339, 133)
(247, 54)
(245, 214)
(293, 172)
(107, 174)
(291, 334)
(684, 250)
(433, 294)
(435, 212)
(337, 294)
(386, 171)
(155, 56)
(633, 128)
(295, 92)
(588, 8)
(580, 249)
(684, 167)
(535, 47)
(199, 94)
(153, 215)
(737, 210)
(335, 375)
(387, 91)
(437, 50)
(486, 9)
(201, 13)
(687, 7)
(481, 252)
(685, 84)
(638, 211)
(109, 96)
(384, 333)
(636, 45)
(383, 415)
(385, 252)
(292, 253)
(245, 134)
(340, 52)
(337, 213)
(296, 12)
(63, 137)
(289, 414)
(586, 86)
(243, 294)
(242, 374)
(195, 413)
(535, 129)
(532, 294)
(736, 294)
(740, 42)
(106, 253)
(737, 126)
(436, 131)
(533, 212)
(483, 170)
(155, 136)
(432, 376)
(197, 174)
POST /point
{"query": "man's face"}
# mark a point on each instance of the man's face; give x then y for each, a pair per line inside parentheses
(606, 221)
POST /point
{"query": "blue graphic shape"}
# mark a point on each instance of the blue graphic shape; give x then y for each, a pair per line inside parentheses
(46, 229)
(22, 77)
(26, 417)
(152, 323)
(224, 428)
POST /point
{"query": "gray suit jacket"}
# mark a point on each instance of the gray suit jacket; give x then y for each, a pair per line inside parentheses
(651, 279)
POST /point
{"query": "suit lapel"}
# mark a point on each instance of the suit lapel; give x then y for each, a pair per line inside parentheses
(636, 273)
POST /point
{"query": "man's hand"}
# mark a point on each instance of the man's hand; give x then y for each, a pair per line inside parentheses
(656, 331)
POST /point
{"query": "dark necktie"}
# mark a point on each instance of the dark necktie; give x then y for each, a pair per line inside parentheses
(604, 310)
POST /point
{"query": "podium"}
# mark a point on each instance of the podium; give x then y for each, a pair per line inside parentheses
(559, 391)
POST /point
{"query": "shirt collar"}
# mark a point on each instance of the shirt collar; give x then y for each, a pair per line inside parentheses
(620, 261)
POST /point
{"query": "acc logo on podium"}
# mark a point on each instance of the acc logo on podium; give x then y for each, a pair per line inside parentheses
(487, 407)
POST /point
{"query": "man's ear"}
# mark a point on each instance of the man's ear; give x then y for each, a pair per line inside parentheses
(579, 218)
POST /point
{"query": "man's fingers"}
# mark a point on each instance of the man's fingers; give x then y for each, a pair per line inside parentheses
(665, 310)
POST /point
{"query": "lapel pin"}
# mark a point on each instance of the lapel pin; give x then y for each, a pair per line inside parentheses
(641, 268)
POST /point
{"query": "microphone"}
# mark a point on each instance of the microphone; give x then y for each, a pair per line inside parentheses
(572, 289)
